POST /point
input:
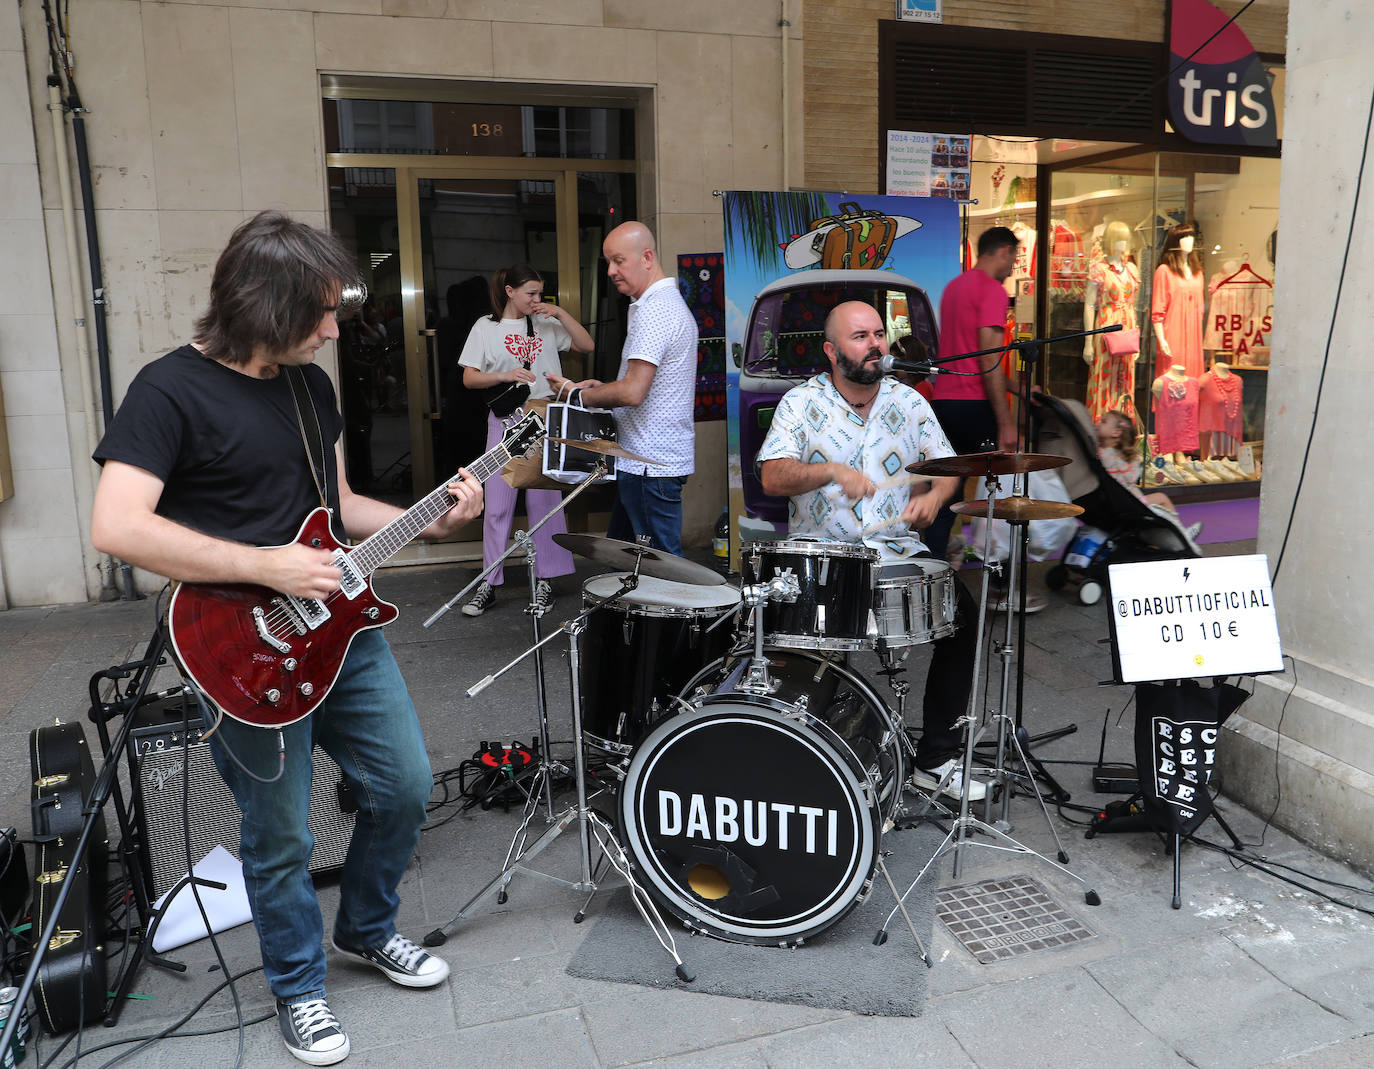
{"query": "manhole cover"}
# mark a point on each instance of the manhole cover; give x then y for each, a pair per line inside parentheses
(999, 919)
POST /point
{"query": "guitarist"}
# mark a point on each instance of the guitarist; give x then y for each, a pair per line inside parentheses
(206, 459)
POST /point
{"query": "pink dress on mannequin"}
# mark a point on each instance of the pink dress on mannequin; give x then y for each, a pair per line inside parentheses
(1176, 415)
(1177, 303)
(1111, 379)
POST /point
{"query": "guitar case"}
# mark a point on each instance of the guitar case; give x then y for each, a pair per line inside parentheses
(70, 989)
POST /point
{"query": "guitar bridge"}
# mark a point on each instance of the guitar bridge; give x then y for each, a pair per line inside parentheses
(260, 623)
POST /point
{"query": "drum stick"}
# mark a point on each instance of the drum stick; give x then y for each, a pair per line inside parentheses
(906, 478)
(874, 528)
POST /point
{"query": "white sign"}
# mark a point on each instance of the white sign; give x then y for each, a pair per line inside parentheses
(928, 165)
(920, 10)
(1184, 619)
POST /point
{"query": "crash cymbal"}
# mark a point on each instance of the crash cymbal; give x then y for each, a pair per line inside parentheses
(976, 465)
(655, 562)
(600, 445)
(1018, 509)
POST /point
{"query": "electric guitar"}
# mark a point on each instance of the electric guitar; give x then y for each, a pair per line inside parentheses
(269, 659)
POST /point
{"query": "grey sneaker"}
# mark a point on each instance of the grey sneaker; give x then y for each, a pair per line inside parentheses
(543, 595)
(401, 961)
(481, 599)
(311, 1032)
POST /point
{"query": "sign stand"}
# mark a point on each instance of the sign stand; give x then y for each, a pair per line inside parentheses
(1176, 623)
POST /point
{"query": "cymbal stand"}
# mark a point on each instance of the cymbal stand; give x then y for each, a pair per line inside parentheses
(524, 540)
(975, 726)
(589, 822)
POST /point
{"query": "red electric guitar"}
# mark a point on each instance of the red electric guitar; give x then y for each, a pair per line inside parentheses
(268, 659)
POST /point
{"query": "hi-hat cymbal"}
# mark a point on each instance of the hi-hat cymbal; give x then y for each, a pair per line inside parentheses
(1018, 509)
(976, 465)
(600, 445)
(655, 562)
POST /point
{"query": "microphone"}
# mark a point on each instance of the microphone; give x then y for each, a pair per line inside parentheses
(890, 363)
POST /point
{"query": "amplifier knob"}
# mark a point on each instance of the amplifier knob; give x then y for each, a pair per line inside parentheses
(273, 696)
(306, 689)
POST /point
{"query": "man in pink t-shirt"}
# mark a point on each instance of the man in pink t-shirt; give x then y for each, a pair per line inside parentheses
(972, 406)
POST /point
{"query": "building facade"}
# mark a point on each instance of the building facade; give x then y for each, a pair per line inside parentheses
(441, 137)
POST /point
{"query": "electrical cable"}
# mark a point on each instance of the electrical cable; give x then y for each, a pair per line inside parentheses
(171, 1031)
(1330, 333)
(1129, 101)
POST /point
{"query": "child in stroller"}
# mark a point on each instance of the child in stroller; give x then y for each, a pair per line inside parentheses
(1127, 528)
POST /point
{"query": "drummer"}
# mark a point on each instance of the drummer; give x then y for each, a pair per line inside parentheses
(838, 449)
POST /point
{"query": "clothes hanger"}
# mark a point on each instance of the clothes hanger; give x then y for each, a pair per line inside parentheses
(1255, 278)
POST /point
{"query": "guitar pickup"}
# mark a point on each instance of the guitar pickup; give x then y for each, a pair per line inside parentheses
(306, 614)
(350, 582)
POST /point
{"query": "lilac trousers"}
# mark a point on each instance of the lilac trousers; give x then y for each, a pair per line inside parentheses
(499, 511)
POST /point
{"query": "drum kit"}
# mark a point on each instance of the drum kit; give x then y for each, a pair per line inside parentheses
(755, 772)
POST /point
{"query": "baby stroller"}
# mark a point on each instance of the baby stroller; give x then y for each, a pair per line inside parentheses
(1127, 528)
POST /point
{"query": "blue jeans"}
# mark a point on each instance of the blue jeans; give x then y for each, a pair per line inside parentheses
(648, 505)
(368, 725)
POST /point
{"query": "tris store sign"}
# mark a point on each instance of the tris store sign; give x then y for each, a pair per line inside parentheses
(1219, 91)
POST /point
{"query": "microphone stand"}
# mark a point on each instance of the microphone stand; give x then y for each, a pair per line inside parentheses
(1030, 351)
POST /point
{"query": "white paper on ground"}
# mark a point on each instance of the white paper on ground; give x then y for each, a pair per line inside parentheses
(182, 923)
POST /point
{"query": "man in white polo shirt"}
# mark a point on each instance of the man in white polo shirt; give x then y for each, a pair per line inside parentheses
(653, 394)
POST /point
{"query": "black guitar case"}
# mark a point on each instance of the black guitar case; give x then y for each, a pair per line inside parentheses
(70, 988)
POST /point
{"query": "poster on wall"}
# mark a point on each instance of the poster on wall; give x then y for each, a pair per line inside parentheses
(789, 259)
(701, 280)
(928, 165)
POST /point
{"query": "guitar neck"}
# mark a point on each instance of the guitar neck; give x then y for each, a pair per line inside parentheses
(371, 553)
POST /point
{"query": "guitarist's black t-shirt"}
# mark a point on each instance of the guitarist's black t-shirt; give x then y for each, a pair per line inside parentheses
(227, 447)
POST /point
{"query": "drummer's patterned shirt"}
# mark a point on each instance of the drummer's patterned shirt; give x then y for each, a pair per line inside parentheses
(815, 424)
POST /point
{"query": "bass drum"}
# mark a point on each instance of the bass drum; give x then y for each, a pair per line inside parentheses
(826, 690)
(750, 821)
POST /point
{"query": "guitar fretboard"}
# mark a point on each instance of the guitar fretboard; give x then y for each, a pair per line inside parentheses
(371, 553)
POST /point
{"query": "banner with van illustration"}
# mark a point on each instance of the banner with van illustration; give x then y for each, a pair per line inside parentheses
(789, 259)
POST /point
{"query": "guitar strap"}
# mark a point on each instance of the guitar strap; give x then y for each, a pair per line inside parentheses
(308, 421)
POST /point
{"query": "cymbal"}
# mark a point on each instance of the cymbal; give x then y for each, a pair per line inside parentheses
(600, 445)
(655, 562)
(975, 465)
(1018, 509)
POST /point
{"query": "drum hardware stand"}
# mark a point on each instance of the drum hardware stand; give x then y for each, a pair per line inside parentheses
(959, 834)
(785, 587)
(589, 822)
(524, 540)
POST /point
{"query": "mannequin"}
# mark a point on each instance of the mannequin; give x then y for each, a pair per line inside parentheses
(1110, 300)
(1177, 303)
(1221, 422)
(1175, 393)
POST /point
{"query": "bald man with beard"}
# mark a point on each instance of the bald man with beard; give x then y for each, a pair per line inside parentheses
(828, 449)
(653, 394)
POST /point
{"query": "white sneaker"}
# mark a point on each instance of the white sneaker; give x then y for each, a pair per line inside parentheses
(929, 780)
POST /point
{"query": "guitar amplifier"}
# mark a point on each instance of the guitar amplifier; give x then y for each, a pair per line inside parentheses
(163, 756)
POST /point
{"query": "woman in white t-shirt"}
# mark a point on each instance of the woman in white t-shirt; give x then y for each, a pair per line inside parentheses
(516, 346)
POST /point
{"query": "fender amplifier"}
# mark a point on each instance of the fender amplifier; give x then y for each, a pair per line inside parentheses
(164, 755)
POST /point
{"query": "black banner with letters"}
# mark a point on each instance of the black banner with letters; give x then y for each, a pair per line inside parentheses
(1177, 729)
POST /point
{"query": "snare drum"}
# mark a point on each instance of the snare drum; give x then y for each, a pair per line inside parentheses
(831, 611)
(639, 651)
(913, 602)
